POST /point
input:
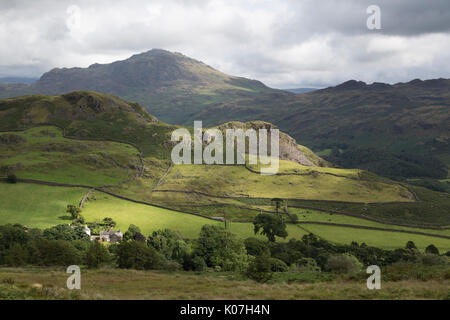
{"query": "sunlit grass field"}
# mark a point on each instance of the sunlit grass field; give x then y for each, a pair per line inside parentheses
(376, 238)
(36, 206)
(238, 181)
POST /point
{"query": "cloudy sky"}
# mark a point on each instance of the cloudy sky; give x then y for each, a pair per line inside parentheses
(285, 44)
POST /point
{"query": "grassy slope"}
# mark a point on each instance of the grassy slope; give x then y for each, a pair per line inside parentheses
(132, 284)
(237, 181)
(46, 155)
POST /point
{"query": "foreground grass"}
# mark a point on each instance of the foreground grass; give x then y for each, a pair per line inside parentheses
(50, 283)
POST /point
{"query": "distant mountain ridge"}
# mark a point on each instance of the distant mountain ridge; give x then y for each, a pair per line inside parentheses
(170, 85)
(398, 122)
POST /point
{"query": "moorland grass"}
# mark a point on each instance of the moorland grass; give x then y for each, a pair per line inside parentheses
(155, 285)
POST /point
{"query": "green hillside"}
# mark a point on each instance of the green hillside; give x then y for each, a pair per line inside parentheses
(103, 142)
(399, 131)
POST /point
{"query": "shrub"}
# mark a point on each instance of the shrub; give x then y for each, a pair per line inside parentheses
(172, 266)
(218, 247)
(97, 255)
(270, 225)
(411, 245)
(433, 260)
(260, 269)
(343, 263)
(194, 263)
(256, 247)
(55, 253)
(16, 256)
(65, 232)
(305, 265)
(137, 255)
(431, 249)
(277, 265)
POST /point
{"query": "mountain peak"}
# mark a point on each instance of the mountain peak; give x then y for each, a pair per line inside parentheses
(351, 85)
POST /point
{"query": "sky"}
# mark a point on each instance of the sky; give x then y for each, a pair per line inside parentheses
(283, 43)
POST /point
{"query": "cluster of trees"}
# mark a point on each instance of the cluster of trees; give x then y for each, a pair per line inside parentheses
(215, 249)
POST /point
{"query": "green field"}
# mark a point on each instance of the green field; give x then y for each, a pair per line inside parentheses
(376, 238)
(150, 218)
(44, 206)
(36, 206)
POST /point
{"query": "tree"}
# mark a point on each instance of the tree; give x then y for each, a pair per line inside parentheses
(137, 255)
(56, 253)
(411, 245)
(431, 249)
(139, 237)
(108, 222)
(16, 256)
(74, 211)
(65, 232)
(169, 243)
(256, 247)
(96, 255)
(12, 234)
(220, 248)
(130, 233)
(270, 226)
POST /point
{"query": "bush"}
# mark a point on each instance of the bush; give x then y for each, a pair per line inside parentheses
(343, 263)
(65, 232)
(194, 263)
(96, 255)
(172, 266)
(277, 265)
(55, 253)
(137, 255)
(305, 265)
(260, 269)
(411, 245)
(16, 256)
(433, 260)
(256, 247)
(218, 247)
(431, 249)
